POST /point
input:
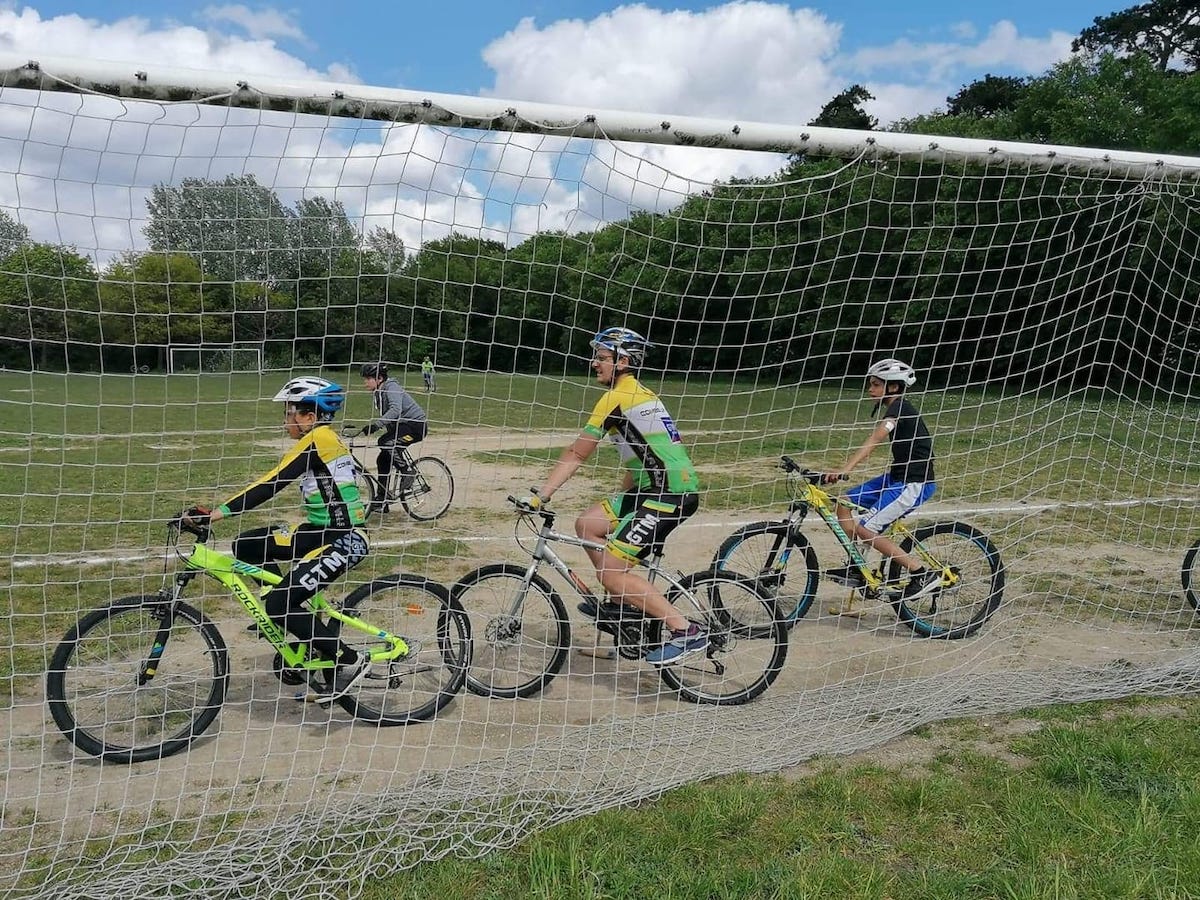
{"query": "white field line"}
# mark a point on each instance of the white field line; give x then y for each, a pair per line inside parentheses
(941, 512)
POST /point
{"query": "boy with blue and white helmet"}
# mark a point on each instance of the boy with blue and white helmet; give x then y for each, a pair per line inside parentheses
(323, 466)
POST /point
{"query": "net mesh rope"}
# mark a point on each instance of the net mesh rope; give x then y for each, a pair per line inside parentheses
(1051, 316)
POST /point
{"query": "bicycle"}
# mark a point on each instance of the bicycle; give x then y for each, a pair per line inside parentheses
(423, 486)
(145, 676)
(780, 558)
(1189, 575)
(524, 635)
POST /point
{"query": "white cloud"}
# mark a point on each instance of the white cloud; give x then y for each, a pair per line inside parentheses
(749, 60)
(263, 23)
(136, 40)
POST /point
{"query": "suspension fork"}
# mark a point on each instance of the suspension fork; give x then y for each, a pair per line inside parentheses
(149, 666)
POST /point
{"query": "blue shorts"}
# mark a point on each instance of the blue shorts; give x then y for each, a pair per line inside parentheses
(886, 499)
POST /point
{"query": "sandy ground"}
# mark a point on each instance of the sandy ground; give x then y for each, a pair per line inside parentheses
(849, 684)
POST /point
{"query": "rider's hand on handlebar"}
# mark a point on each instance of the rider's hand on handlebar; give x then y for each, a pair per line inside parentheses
(532, 503)
(834, 477)
(196, 520)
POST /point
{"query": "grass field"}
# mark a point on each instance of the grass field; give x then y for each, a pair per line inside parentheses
(1089, 801)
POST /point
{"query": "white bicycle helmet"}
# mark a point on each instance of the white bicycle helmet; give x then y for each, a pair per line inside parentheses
(325, 396)
(623, 342)
(893, 370)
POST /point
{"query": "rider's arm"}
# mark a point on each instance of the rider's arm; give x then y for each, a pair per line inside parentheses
(291, 467)
(571, 459)
(877, 437)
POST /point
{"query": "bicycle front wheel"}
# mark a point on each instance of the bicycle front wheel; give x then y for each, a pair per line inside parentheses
(416, 686)
(116, 695)
(1190, 575)
(747, 641)
(428, 495)
(779, 559)
(958, 610)
(370, 491)
(521, 634)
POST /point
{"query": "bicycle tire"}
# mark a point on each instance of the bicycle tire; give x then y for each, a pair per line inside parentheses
(754, 552)
(514, 656)
(973, 600)
(431, 492)
(370, 491)
(1189, 576)
(747, 640)
(416, 687)
(93, 689)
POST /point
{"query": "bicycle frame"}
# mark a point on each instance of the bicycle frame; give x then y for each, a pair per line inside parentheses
(229, 571)
(826, 504)
(542, 553)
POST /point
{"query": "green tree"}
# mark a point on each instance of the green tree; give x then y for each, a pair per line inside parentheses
(986, 97)
(237, 228)
(1162, 29)
(48, 302)
(845, 110)
(12, 234)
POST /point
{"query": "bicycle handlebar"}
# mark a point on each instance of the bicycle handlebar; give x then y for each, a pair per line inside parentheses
(790, 466)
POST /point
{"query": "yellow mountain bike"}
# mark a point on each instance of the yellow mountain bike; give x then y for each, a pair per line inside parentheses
(145, 676)
(783, 562)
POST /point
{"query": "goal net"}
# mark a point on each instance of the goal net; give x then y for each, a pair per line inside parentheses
(1047, 298)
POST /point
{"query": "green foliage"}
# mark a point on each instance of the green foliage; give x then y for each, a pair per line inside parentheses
(845, 110)
(1162, 30)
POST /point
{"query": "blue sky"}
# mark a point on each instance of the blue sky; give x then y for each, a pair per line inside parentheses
(753, 60)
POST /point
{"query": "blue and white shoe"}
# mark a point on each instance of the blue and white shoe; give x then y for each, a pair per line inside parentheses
(679, 645)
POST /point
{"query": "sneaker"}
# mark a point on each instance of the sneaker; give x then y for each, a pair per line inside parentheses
(850, 576)
(604, 611)
(345, 677)
(921, 583)
(679, 645)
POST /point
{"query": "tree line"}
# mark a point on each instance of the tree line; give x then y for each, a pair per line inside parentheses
(982, 274)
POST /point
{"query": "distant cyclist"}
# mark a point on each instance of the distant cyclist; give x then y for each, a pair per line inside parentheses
(658, 491)
(427, 375)
(323, 466)
(905, 486)
(400, 418)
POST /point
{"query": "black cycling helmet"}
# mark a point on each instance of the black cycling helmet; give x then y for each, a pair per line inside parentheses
(374, 370)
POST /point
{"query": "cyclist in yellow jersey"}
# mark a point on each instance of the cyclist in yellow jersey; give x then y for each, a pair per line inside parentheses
(658, 491)
(322, 464)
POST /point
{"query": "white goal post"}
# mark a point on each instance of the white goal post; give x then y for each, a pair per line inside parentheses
(212, 358)
(259, 229)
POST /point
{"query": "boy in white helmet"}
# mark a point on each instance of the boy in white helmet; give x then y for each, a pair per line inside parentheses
(905, 486)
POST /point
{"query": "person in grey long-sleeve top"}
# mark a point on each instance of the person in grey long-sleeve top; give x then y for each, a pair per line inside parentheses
(400, 418)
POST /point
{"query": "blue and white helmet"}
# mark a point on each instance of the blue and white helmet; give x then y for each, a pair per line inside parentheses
(623, 342)
(324, 396)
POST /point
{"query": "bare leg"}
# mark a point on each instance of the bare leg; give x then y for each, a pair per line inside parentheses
(878, 542)
(623, 585)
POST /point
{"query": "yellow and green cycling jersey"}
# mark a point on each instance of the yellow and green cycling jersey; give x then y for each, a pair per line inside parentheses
(322, 464)
(646, 437)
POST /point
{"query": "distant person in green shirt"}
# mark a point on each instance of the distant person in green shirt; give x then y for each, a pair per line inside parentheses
(427, 375)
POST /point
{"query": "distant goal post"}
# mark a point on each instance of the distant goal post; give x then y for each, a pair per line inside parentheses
(213, 359)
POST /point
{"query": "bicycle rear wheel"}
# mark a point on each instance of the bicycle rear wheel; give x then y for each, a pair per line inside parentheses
(518, 649)
(1190, 575)
(112, 700)
(958, 610)
(428, 495)
(747, 641)
(779, 559)
(416, 686)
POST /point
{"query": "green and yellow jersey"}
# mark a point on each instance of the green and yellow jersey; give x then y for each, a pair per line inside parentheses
(325, 469)
(646, 437)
